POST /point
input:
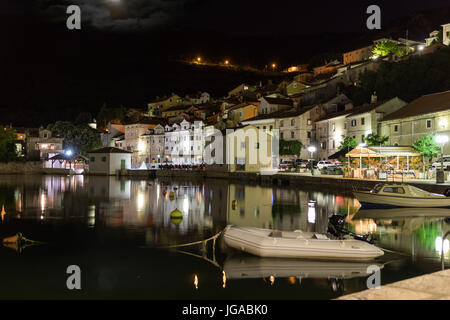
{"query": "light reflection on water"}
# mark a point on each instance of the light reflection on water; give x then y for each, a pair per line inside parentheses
(105, 221)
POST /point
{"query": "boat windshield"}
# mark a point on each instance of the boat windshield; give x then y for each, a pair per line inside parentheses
(377, 188)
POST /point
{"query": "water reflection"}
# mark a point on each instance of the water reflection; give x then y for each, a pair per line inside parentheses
(103, 210)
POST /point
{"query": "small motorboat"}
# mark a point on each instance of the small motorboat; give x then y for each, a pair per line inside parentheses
(391, 195)
(399, 213)
(299, 244)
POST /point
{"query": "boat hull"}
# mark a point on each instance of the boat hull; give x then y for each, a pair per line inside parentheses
(258, 242)
(369, 200)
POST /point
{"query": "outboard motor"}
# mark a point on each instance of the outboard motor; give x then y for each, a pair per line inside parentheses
(336, 228)
(336, 225)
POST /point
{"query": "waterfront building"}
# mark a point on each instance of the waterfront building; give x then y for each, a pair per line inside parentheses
(132, 139)
(184, 143)
(429, 114)
(43, 144)
(364, 120)
(330, 131)
(152, 147)
(250, 149)
(292, 125)
(109, 160)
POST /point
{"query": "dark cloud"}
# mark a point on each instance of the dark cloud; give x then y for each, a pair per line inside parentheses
(117, 14)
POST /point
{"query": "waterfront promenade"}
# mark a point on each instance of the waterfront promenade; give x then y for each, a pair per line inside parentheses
(433, 286)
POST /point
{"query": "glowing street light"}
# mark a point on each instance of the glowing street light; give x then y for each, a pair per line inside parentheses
(274, 65)
(68, 152)
(227, 62)
(441, 139)
(199, 59)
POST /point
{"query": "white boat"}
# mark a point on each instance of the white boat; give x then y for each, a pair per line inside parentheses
(250, 267)
(402, 213)
(391, 195)
(297, 244)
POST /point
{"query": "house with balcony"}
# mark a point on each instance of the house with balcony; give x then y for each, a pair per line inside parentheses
(43, 144)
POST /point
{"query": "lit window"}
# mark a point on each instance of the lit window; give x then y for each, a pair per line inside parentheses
(428, 123)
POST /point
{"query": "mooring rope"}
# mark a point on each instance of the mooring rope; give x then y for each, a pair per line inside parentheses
(193, 243)
(396, 252)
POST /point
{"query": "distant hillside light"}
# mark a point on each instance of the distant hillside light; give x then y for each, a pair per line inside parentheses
(227, 62)
(273, 65)
(199, 59)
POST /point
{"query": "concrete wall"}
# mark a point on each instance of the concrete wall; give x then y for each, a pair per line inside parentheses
(29, 167)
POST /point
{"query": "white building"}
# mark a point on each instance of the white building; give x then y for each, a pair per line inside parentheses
(109, 160)
(364, 120)
(184, 143)
(329, 133)
(446, 34)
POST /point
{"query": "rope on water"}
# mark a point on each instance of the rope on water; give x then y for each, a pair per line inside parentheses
(194, 243)
(396, 252)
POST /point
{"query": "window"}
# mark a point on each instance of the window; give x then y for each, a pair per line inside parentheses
(394, 190)
(292, 134)
(309, 134)
(243, 145)
(92, 159)
(334, 145)
(396, 128)
(281, 123)
(281, 135)
(104, 159)
(362, 138)
(308, 122)
(428, 123)
(362, 121)
(271, 127)
(293, 122)
(324, 145)
(257, 145)
(333, 127)
(353, 123)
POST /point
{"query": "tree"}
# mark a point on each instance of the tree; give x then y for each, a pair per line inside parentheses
(348, 143)
(8, 151)
(384, 48)
(375, 140)
(293, 147)
(427, 146)
(79, 137)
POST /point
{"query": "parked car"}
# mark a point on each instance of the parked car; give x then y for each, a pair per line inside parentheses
(312, 163)
(446, 162)
(284, 164)
(302, 163)
(323, 164)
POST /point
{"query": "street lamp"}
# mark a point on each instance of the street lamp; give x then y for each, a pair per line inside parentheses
(442, 140)
(311, 150)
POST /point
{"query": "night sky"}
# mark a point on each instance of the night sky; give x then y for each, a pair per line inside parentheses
(124, 53)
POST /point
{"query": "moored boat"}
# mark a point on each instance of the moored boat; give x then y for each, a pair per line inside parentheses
(297, 244)
(392, 195)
